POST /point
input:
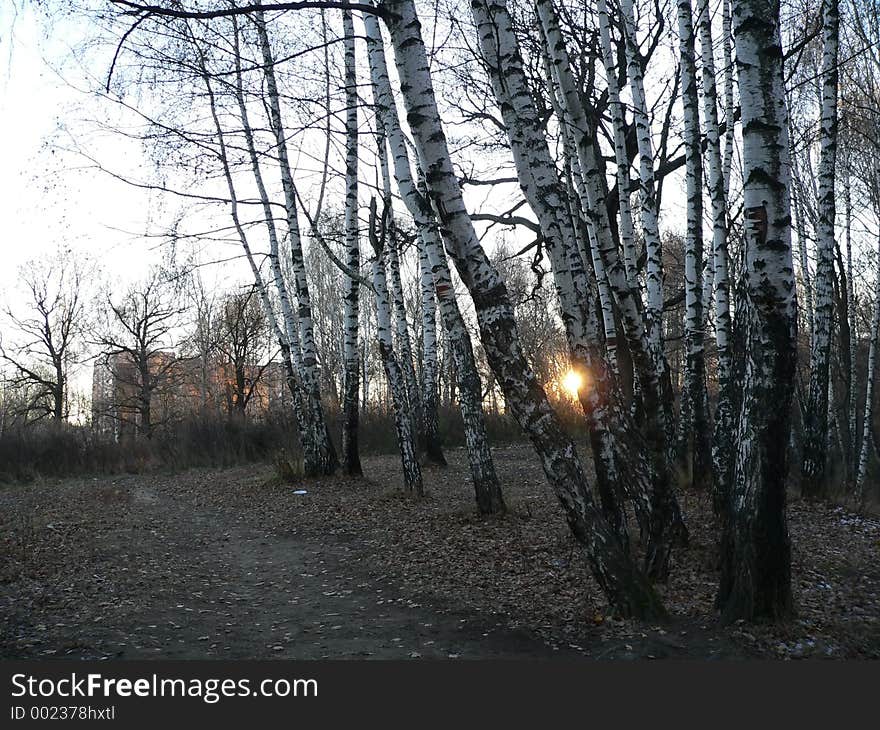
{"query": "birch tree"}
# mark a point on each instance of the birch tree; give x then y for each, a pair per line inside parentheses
(647, 185)
(351, 462)
(695, 407)
(864, 447)
(624, 585)
(378, 233)
(487, 488)
(717, 185)
(430, 393)
(323, 457)
(756, 557)
(285, 335)
(666, 520)
(813, 477)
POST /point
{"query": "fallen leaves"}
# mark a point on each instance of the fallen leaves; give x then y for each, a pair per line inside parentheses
(83, 549)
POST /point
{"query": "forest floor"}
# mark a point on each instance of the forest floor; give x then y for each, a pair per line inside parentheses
(232, 564)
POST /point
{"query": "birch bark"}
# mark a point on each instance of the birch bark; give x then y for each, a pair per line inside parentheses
(647, 185)
(695, 421)
(281, 336)
(486, 485)
(756, 557)
(721, 444)
(542, 188)
(320, 457)
(625, 586)
(666, 518)
(430, 425)
(412, 475)
(621, 157)
(351, 461)
(813, 477)
(868, 418)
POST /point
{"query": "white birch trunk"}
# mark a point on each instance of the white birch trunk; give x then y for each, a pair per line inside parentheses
(626, 588)
(647, 186)
(486, 486)
(351, 461)
(412, 474)
(666, 520)
(403, 345)
(756, 552)
(801, 229)
(813, 476)
(868, 417)
(540, 183)
(320, 455)
(293, 378)
(695, 420)
(618, 123)
(851, 445)
(721, 446)
(430, 425)
(729, 107)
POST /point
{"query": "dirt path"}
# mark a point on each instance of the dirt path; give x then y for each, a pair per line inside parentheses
(232, 563)
(151, 575)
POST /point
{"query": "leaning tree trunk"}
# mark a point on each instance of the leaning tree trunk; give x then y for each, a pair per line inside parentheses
(287, 314)
(430, 425)
(618, 449)
(695, 427)
(412, 474)
(626, 587)
(868, 420)
(320, 457)
(545, 194)
(398, 306)
(486, 485)
(667, 524)
(756, 566)
(351, 460)
(647, 186)
(813, 476)
(618, 122)
(283, 336)
(722, 445)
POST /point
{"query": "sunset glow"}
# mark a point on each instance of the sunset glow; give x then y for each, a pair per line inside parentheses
(573, 382)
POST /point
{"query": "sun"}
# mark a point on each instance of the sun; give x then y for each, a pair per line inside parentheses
(573, 382)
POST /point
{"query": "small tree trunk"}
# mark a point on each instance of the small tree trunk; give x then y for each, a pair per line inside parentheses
(412, 475)
(868, 419)
(722, 452)
(351, 460)
(618, 121)
(431, 426)
(850, 320)
(486, 485)
(695, 427)
(320, 454)
(647, 187)
(283, 337)
(813, 476)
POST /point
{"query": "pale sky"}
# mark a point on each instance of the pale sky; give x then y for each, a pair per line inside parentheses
(49, 197)
(44, 200)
